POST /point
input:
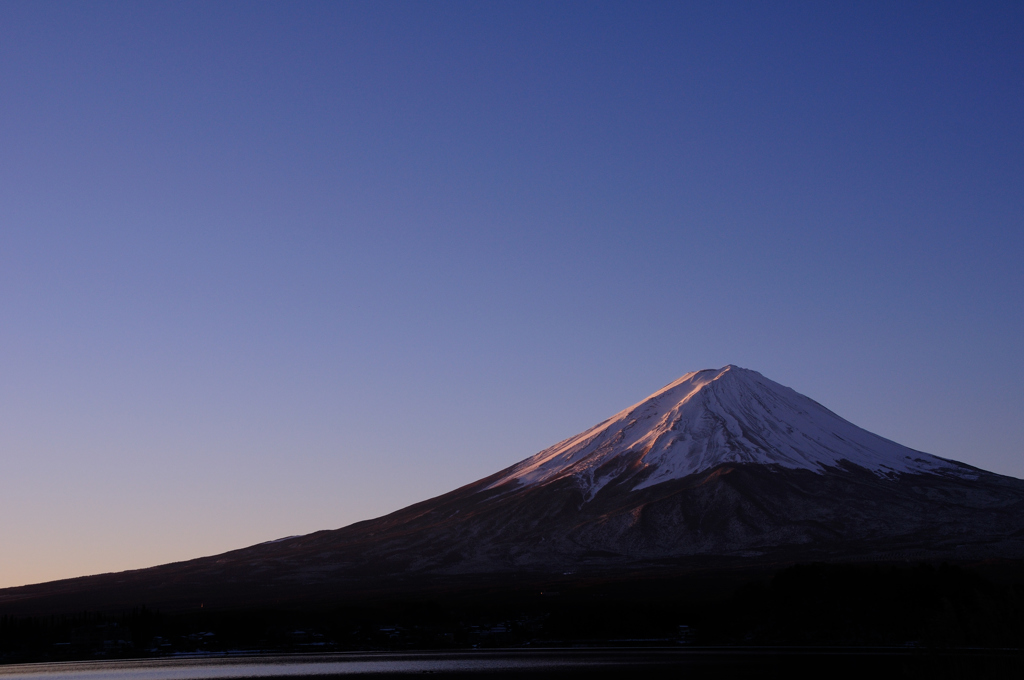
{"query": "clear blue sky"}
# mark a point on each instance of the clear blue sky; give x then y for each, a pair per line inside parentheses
(268, 268)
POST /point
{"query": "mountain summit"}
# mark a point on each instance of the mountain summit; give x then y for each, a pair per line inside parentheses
(721, 468)
(713, 417)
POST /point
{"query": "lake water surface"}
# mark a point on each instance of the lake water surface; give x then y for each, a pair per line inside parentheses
(561, 663)
(295, 666)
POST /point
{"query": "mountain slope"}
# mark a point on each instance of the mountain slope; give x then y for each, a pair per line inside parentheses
(720, 468)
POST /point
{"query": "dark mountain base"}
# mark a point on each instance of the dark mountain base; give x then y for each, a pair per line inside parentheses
(733, 521)
(911, 607)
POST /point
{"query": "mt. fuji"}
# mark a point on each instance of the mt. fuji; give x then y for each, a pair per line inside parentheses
(719, 468)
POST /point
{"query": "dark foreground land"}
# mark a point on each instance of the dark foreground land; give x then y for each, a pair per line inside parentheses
(845, 620)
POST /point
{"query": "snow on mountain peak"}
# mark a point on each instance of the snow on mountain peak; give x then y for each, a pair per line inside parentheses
(710, 417)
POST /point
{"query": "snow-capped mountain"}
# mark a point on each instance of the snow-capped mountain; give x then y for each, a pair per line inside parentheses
(719, 468)
(711, 417)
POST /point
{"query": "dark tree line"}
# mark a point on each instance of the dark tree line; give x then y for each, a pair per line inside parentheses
(923, 607)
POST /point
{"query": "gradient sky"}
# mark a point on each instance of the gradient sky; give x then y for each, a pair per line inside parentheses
(269, 268)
